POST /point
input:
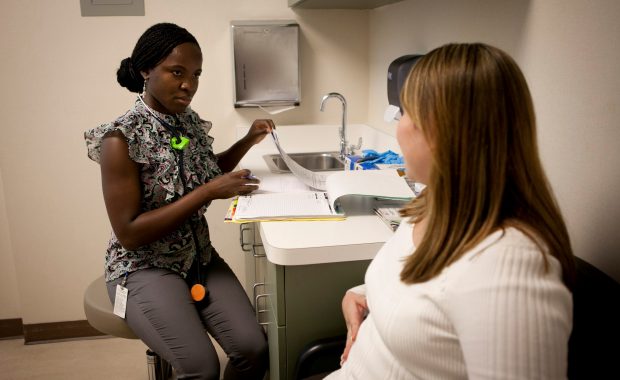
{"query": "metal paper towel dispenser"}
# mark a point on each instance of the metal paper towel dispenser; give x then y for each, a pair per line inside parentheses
(266, 63)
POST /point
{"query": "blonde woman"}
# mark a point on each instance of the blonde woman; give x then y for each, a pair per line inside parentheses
(477, 284)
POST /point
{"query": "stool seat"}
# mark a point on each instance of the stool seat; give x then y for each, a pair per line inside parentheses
(100, 311)
(100, 314)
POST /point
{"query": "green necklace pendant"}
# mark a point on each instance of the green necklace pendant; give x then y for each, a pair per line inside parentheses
(179, 145)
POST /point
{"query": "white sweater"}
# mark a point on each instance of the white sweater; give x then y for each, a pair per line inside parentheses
(493, 314)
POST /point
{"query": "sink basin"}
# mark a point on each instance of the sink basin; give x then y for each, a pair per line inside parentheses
(315, 161)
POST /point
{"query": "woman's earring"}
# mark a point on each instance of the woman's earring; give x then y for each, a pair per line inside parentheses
(144, 87)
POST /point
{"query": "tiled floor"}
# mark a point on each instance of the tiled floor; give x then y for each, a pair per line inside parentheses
(91, 359)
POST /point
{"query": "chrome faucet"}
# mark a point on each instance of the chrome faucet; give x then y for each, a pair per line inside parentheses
(343, 128)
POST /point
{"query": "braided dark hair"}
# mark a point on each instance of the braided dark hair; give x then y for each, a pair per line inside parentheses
(153, 47)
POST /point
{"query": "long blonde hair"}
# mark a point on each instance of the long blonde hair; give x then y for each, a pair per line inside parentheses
(475, 109)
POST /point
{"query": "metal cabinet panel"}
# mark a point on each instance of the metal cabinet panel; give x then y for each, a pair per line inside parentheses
(112, 7)
(304, 306)
(339, 4)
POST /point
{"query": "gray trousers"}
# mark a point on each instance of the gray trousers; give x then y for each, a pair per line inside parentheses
(162, 313)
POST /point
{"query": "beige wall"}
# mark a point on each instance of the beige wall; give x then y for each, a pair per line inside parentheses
(58, 75)
(566, 50)
(9, 295)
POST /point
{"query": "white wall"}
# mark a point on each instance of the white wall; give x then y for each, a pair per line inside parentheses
(58, 76)
(58, 72)
(566, 50)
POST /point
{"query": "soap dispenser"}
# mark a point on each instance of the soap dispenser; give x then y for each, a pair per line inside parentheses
(397, 74)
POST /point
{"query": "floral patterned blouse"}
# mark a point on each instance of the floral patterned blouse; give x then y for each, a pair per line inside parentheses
(149, 146)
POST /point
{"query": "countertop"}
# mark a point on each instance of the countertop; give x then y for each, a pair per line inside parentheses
(357, 237)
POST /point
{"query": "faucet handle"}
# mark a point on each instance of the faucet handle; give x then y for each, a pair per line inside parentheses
(354, 147)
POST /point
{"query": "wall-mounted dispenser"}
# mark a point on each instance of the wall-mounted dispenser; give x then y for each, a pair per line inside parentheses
(266, 63)
(397, 74)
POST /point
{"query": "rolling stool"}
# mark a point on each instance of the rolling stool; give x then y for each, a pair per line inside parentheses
(100, 315)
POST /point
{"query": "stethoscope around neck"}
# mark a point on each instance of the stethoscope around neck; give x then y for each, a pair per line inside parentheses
(177, 141)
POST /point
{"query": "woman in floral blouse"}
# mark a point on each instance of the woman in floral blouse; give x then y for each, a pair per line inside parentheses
(159, 175)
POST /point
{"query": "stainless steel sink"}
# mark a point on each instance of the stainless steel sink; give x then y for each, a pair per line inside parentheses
(315, 161)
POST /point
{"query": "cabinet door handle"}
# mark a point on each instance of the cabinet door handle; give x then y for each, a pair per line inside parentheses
(259, 312)
(254, 251)
(254, 290)
(243, 228)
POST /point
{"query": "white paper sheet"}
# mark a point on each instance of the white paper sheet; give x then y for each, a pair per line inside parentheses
(283, 206)
(310, 178)
(385, 184)
(281, 184)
